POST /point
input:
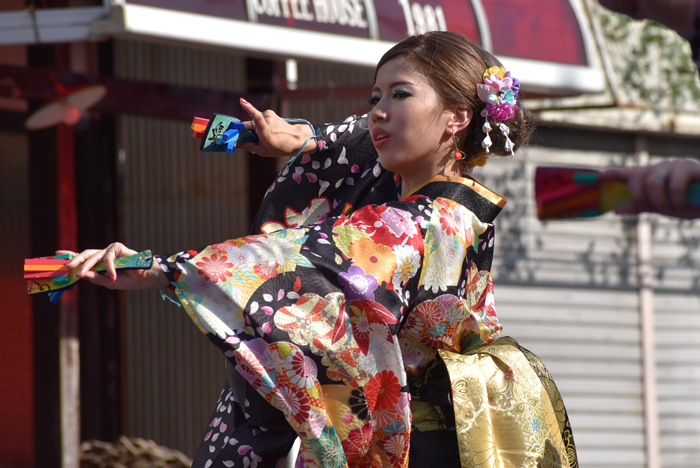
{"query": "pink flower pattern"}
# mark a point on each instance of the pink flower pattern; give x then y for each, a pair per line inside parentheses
(215, 268)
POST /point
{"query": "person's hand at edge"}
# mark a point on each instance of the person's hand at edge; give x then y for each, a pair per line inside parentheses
(278, 138)
(659, 188)
(124, 279)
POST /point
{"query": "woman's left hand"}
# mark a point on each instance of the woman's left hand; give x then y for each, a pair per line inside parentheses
(127, 279)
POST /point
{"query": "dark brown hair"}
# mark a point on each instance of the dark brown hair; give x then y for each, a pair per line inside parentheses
(454, 65)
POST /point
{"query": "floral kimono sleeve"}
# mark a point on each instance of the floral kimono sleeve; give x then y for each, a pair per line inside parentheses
(310, 315)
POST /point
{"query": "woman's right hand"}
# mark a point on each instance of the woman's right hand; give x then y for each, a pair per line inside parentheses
(126, 279)
(278, 138)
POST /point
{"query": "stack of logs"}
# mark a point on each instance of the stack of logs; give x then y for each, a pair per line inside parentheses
(131, 453)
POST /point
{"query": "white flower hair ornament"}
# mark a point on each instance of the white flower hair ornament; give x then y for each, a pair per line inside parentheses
(500, 93)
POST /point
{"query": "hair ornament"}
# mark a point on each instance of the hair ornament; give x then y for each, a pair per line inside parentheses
(500, 93)
(476, 161)
(487, 126)
(486, 142)
(509, 144)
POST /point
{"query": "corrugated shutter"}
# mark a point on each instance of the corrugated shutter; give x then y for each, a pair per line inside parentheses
(676, 260)
(678, 372)
(175, 197)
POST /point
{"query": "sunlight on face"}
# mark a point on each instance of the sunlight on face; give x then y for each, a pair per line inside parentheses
(408, 124)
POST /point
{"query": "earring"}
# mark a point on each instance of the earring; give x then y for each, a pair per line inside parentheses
(456, 155)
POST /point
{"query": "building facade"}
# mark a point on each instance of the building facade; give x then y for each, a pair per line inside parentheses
(611, 304)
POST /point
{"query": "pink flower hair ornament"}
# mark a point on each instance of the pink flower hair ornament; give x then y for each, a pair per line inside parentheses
(500, 93)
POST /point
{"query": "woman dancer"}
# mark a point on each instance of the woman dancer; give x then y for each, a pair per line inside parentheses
(372, 335)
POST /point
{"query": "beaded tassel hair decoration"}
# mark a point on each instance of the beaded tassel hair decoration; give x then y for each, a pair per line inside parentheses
(500, 93)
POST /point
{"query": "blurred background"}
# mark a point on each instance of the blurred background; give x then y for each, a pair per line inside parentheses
(96, 101)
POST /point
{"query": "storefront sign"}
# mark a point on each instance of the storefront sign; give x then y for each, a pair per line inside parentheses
(385, 20)
(546, 30)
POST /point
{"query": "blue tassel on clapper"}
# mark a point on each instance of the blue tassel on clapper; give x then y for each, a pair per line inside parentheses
(230, 137)
(54, 296)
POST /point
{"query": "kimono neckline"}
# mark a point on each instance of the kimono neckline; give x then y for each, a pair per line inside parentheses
(482, 201)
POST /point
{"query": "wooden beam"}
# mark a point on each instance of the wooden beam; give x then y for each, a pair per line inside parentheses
(129, 96)
(69, 343)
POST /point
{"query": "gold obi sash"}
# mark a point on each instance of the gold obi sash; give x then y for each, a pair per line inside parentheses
(508, 411)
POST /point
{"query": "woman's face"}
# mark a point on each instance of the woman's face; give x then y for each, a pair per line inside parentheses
(409, 127)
